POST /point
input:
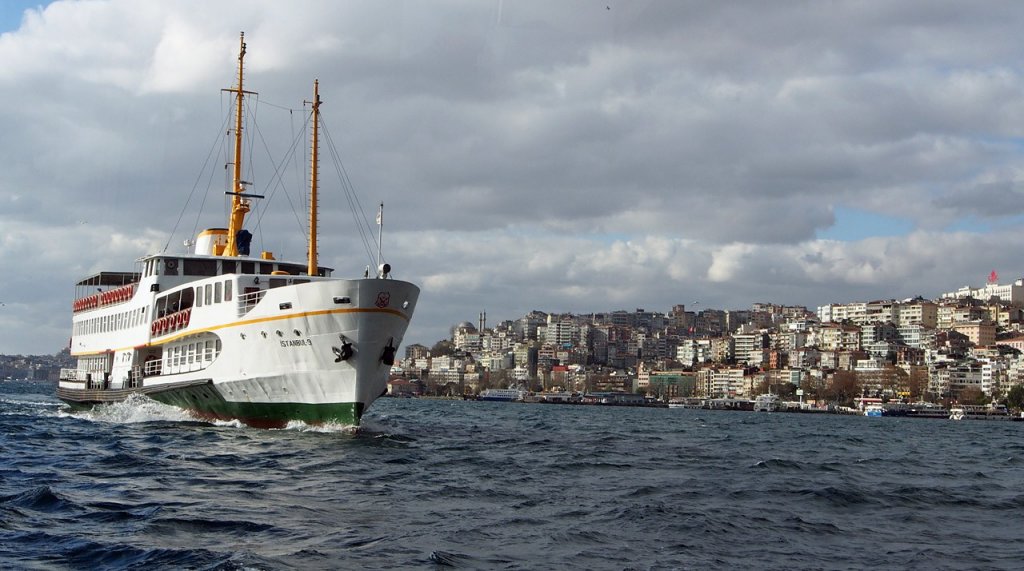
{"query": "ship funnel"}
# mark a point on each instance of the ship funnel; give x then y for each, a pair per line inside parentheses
(212, 241)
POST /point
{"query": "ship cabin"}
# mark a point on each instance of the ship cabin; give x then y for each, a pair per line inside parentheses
(121, 318)
(166, 273)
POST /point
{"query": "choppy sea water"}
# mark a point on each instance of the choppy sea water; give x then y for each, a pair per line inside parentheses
(449, 484)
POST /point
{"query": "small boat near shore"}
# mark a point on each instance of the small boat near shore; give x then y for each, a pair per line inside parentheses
(979, 412)
(769, 402)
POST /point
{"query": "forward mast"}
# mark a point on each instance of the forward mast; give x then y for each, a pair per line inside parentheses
(240, 203)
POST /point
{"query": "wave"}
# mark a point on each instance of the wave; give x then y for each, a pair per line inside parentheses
(39, 498)
(135, 409)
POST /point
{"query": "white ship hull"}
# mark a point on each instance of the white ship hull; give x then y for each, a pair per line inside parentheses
(286, 358)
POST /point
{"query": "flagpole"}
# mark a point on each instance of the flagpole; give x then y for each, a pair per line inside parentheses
(380, 233)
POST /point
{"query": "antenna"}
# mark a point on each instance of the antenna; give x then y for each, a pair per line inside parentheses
(380, 231)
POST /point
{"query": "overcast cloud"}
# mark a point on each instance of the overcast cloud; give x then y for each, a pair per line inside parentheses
(563, 156)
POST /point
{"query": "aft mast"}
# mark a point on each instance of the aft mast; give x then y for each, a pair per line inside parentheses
(239, 200)
(312, 269)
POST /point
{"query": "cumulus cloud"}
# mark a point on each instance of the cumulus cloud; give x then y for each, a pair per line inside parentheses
(570, 156)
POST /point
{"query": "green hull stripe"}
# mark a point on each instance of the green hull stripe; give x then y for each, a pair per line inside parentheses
(207, 402)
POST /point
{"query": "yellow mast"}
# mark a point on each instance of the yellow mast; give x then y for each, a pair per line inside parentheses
(239, 204)
(312, 269)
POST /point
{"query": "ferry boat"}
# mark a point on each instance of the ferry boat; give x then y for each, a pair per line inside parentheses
(979, 412)
(228, 335)
(876, 410)
(768, 402)
(501, 395)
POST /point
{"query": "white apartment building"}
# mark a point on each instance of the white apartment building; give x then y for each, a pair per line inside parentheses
(719, 383)
(924, 313)
(1010, 293)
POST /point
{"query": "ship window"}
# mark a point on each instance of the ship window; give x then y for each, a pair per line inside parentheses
(187, 299)
(200, 267)
(199, 296)
(171, 266)
(227, 290)
(248, 268)
(209, 293)
(217, 292)
(278, 282)
(265, 268)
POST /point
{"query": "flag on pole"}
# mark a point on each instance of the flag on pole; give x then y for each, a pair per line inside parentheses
(380, 214)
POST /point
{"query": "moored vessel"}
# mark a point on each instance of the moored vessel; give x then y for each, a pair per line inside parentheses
(229, 335)
(502, 394)
(768, 402)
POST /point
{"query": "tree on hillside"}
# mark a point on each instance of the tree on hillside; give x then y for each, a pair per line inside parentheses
(843, 388)
(893, 380)
(1015, 398)
(917, 383)
(441, 348)
(972, 395)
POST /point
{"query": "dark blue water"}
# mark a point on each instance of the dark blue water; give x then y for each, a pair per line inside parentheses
(442, 484)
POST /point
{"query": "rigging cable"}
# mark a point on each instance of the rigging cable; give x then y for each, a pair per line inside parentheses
(365, 230)
(194, 186)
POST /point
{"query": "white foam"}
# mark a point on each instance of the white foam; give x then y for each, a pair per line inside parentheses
(134, 409)
(326, 427)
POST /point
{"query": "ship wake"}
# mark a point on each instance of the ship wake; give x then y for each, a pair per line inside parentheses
(137, 408)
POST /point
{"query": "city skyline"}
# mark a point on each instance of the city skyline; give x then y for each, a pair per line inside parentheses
(571, 156)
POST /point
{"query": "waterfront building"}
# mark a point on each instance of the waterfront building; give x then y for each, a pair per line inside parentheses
(837, 337)
(466, 337)
(720, 382)
(918, 312)
(1015, 342)
(805, 358)
(1012, 293)
(750, 348)
(916, 335)
(526, 326)
(710, 323)
(959, 311)
(981, 333)
(669, 384)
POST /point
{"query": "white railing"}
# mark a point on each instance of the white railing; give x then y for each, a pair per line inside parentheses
(152, 368)
(72, 375)
(247, 301)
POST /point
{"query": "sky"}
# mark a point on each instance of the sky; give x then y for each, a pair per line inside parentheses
(571, 156)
